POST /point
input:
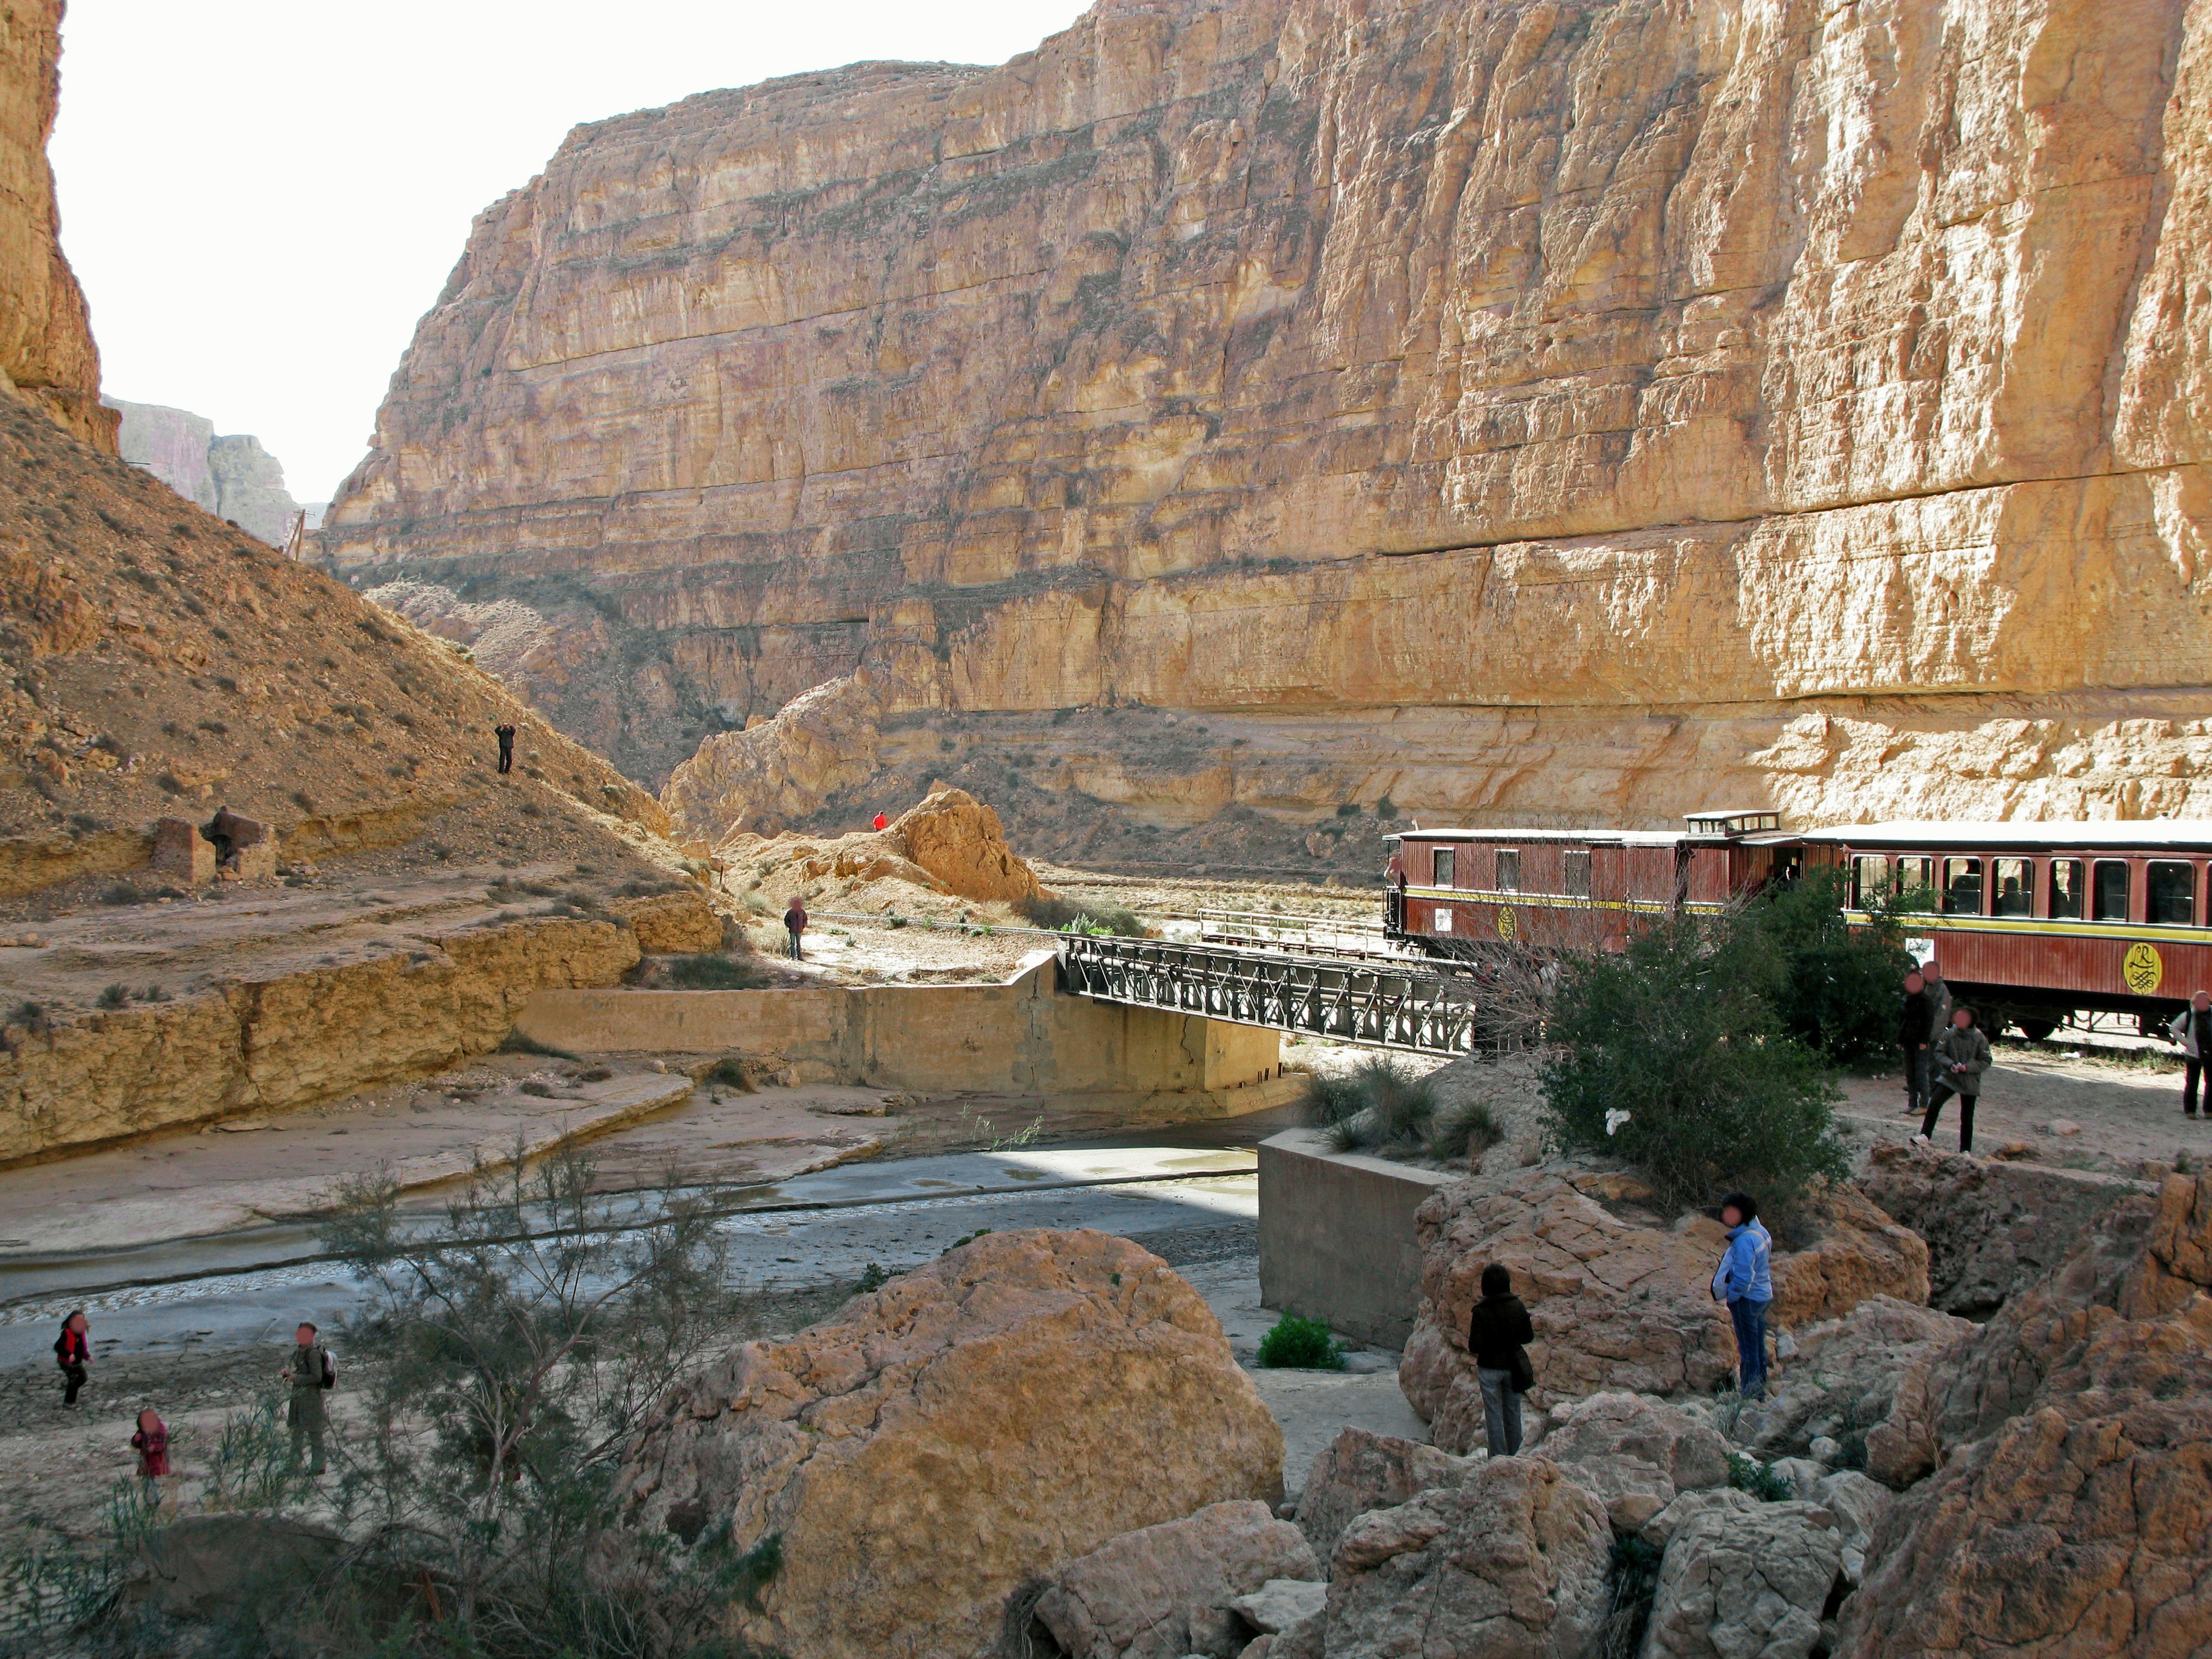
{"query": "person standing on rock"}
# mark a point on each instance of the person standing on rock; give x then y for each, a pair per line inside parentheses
(794, 926)
(1959, 1057)
(2192, 1030)
(73, 1353)
(505, 733)
(309, 1370)
(1744, 1282)
(1915, 1031)
(1498, 1335)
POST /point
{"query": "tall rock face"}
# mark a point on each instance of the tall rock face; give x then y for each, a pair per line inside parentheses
(232, 477)
(1559, 410)
(47, 358)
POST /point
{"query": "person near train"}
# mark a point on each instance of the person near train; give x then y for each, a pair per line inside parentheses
(1744, 1284)
(1959, 1057)
(1937, 993)
(2192, 1030)
(1915, 1033)
(73, 1353)
(1498, 1335)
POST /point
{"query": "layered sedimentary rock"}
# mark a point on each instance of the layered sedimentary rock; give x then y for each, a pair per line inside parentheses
(231, 476)
(1564, 411)
(46, 355)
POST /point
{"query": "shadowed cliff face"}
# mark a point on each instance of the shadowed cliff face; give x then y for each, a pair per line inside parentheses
(1540, 411)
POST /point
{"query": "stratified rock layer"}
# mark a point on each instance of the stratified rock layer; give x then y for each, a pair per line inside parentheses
(977, 1421)
(46, 355)
(1569, 410)
(232, 477)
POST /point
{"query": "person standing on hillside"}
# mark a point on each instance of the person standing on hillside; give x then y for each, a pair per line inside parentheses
(151, 1442)
(2192, 1030)
(794, 926)
(1744, 1284)
(309, 1370)
(73, 1353)
(1956, 1063)
(1916, 1031)
(505, 733)
(1498, 1336)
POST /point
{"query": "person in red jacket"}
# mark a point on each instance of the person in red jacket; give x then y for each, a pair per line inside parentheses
(881, 823)
(152, 1444)
(73, 1352)
(794, 924)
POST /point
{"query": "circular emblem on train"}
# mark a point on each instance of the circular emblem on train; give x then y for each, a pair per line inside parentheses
(2142, 968)
(1508, 923)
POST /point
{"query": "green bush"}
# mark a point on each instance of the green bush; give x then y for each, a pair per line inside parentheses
(1759, 1480)
(1381, 1104)
(1049, 910)
(1466, 1130)
(711, 971)
(1302, 1345)
(1677, 1032)
(1635, 1587)
(115, 996)
(1835, 987)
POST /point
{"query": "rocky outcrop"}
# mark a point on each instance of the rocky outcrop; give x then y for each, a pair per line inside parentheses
(1993, 1228)
(993, 1414)
(1578, 411)
(1619, 1294)
(957, 840)
(1747, 1582)
(1843, 1380)
(1634, 1454)
(233, 477)
(1166, 1591)
(1361, 1470)
(47, 357)
(949, 844)
(2067, 1515)
(1510, 1565)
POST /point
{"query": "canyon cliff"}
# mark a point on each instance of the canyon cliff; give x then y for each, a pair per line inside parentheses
(1269, 415)
(230, 476)
(47, 358)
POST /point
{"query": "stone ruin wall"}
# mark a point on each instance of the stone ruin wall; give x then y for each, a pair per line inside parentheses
(1563, 411)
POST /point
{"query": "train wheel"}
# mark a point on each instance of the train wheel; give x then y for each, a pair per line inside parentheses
(2038, 1031)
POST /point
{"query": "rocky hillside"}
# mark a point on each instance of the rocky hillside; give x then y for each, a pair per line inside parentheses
(230, 474)
(1562, 412)
(46, 355)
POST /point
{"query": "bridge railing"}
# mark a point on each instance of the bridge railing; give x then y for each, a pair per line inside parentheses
(1426, 1008)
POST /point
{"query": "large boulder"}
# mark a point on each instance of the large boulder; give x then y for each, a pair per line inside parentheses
(1745, 1582)
(1844, 1377)
(2070, 1445)
(1510, 1565)
(957, 840)
(939, 1441)
(1993, 1228)
(1361, 1470)
(1166, 1591)
(1635, 1455)
(1619, 1293)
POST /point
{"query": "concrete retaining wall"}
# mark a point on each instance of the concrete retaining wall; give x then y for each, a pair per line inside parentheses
(1336, 1235)
(1021, 1036)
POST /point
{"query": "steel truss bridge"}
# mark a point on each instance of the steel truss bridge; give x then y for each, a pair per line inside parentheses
(1374, 1000)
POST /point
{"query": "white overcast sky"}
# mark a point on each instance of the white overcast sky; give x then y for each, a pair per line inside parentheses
(261, 197)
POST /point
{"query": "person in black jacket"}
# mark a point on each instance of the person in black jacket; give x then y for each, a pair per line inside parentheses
(1495, 1336)
(1915, 1030)
(73, 1353)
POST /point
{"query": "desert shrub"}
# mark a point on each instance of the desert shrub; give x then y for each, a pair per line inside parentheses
(1382, 1103)
(536, 1090)
(1635, 1587)
(1749, 1474)
(1677, 1032)
(1466, 1130)
(1834, 988)
(115, 996)
(711, 970)
(731, 1072)
(1304, 1345)
(1049, 910)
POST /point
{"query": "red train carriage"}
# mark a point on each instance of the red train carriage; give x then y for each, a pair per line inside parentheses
(2031, 921)
(2034, 921)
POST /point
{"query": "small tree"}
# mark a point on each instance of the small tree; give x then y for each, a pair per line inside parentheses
(1679, 1034)
(1836, 987)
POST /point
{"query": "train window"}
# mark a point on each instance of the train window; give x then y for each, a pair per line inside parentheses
(1443, 876)
(2108, 898)
(1870, 879)
(2173, 894)
(1575, 869)
(1915, 878)
(2015, 893)
(1509, 869)
(1962, 887)
(2066, 888)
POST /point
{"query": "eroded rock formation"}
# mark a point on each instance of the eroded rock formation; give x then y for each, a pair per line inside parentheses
(1564, 411)
(47, 358)
(230, 476)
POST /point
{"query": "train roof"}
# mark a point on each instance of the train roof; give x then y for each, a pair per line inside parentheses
(1967, 833)
(1585, 837)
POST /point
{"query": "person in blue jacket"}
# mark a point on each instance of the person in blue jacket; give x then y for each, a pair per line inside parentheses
(1745, 1282)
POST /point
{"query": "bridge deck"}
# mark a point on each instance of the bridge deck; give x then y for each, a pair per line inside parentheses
(1376, 1001)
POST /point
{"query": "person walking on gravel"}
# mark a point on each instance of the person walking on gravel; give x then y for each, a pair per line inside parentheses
(1744, 1284)
(2192, 1030)
(309, 1370)
(794, 925)
(1498, 1336)
(1956, 1063)
(73, 1353)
